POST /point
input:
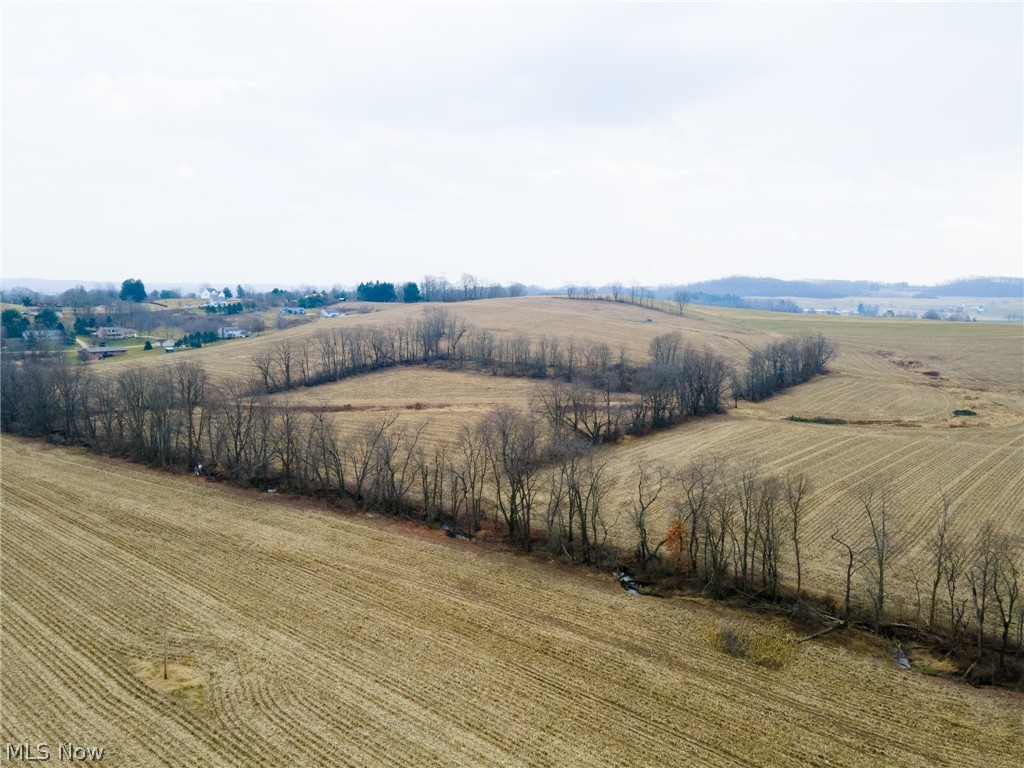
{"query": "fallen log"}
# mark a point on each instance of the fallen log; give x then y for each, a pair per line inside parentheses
(824, 631)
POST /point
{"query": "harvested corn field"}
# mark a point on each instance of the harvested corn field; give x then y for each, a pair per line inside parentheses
(324, 639)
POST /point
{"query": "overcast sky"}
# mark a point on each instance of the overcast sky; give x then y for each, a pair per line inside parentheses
(541, 143)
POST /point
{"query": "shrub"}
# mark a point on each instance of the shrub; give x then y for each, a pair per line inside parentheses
(763, 648)
(815, 420)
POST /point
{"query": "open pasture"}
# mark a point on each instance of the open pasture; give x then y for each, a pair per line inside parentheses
(298, 636)
(435, 404)
(419, 388)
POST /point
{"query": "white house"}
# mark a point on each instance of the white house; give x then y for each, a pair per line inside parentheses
(231, 332)
(114, 332)
(292, 311)
(331, 313)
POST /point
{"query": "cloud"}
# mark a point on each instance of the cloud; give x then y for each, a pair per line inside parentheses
(545, 142)
(128, 96)
(964, 224)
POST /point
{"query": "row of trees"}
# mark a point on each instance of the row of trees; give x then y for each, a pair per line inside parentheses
(730, 531)
(783, 364)
(13, 323)
(607, 396)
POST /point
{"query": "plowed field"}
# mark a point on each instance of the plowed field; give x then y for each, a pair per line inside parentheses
(311, 638)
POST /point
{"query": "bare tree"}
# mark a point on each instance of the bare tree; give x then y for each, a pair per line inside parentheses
(283, 354)
(325, 464)
(854, 562)
(982, 575)
(717, 537)
(393, 470)
(432, 470)
(954, 562)
(747, 493)
(431, 329)
(769, 534)
(938, 546)
(798, 488)
(191, 381)
(558, 529)
(875, 501)
(363, 452)
(287, 440)
(1006, 588)
(697, 481)
(473, 474)
(514, 458)
(649, 487)
(681, 299)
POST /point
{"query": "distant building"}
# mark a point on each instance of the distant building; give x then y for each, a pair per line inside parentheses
(331, 313)
(231, 332)
(41, 334)
(97, 353)
(114, 332)
(292, 311)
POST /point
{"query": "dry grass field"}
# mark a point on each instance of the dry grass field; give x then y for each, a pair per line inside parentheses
(434, 404)
(301, 637)
(895, 382)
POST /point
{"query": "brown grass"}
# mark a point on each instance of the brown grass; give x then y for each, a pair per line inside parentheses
(336, 640)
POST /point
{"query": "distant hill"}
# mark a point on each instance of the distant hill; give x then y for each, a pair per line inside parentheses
(837, 289)
(979, 286)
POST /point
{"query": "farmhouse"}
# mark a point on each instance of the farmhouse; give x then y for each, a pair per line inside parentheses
(115, 332)
(331, 313)
(292, 311)
(231, 332)
(97, 353)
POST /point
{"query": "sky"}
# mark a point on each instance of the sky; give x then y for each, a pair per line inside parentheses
(543, 143)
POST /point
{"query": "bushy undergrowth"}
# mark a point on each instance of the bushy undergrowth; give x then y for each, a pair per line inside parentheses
(764, 648)
(815, 420)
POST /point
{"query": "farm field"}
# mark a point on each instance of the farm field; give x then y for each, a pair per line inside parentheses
(895, 382)
(432, 403)
(618, 325)
(982, 470)
(986, 355)
(298, 636)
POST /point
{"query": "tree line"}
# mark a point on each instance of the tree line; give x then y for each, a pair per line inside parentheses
(606, 396)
